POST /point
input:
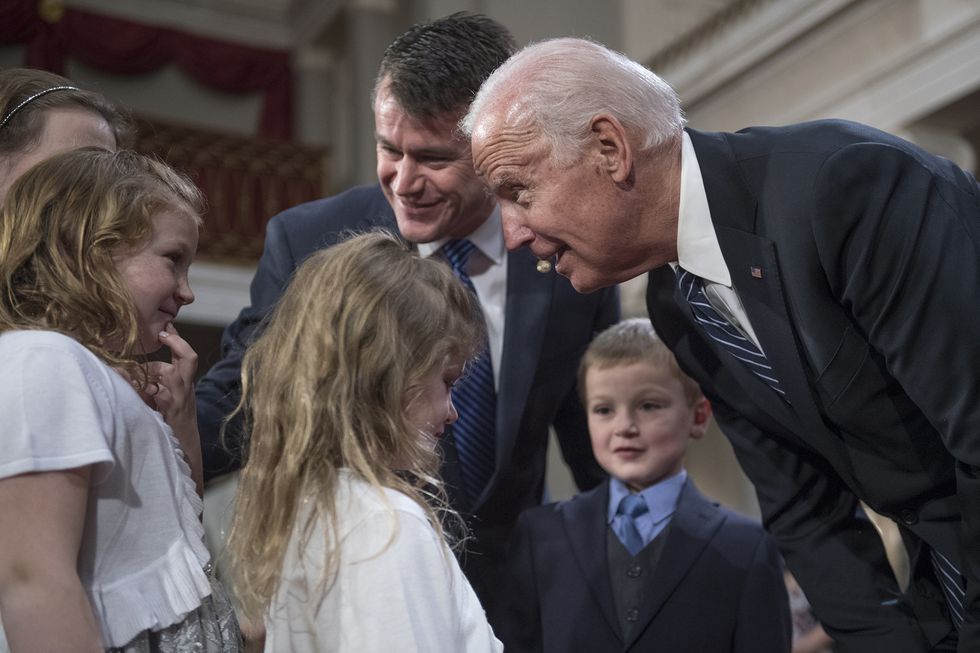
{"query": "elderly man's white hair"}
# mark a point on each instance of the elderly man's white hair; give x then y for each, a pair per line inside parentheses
(559, 85)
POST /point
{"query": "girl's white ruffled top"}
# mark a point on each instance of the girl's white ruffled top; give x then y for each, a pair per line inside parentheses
(142, 554)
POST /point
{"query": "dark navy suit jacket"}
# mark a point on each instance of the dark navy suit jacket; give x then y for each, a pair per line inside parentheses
(717, 588)
(857, 258)
(547, 328)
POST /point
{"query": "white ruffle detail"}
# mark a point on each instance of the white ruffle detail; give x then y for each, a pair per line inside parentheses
(189, 495)
(160, 596)
(170, 587)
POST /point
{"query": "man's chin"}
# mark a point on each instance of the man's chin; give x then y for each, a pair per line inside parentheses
(583, 285)
(419, 229)
(584, 281)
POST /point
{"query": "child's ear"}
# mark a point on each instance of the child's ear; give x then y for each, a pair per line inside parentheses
(702, 415)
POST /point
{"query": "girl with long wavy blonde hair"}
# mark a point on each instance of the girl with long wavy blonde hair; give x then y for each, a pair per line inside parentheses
(337, 538)
(101, 544)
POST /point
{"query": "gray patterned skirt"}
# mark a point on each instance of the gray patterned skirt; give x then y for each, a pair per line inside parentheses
(212, 628)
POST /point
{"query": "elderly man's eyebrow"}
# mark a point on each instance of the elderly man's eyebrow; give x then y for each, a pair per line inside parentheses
(505, 184)
(497, 180)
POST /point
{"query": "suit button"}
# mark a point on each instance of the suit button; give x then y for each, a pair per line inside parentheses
(632, 614)
(635, 571)
(908, 516)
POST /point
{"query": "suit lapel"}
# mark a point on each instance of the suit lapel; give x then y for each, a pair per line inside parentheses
(752, 262)
(767, 310)
(736, 375)
(693, 525)
(527, 309)
(584, 519)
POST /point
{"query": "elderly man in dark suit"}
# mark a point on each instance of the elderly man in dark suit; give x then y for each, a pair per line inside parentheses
(818, 280)
(538, 325)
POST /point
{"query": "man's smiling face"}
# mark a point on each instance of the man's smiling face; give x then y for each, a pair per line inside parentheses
(426, 173)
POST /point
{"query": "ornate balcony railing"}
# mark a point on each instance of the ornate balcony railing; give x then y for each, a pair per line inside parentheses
(246, 180)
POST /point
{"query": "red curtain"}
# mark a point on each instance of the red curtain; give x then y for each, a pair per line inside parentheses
(123, 47)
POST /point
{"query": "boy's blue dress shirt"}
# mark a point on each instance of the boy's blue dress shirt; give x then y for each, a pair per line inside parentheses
(661, 499)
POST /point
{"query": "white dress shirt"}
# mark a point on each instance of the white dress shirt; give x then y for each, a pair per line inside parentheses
(487, 268)
(698, 250)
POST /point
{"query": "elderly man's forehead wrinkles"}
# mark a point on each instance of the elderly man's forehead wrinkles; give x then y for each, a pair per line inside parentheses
(503, 153)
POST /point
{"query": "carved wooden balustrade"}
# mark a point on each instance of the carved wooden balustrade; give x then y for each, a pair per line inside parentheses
(246, 181)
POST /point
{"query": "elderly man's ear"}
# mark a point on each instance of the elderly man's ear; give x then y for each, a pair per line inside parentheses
(613, 147)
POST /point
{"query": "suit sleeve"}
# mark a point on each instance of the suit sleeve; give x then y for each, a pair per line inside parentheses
(219, 391)
(902, 254)
(517, 618)
(764, 622)
(571, 424)
(831, 548)
(835, 554)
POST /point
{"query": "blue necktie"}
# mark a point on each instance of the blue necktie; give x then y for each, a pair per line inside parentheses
(954, 587)
(474, 397)
(631, 507)
(722, 331)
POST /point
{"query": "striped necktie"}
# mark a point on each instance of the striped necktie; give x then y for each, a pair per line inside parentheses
(954, 587)
(722, 331)
(474, 397)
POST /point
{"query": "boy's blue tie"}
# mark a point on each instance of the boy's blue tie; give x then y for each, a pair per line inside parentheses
(474, 397)
(631, 507)
(722, 331)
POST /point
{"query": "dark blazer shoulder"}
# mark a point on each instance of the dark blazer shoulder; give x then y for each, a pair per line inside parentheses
(596, 498)
(821, 138)
(732, 524)
(579, 507)
(322, 222)
(587, 498)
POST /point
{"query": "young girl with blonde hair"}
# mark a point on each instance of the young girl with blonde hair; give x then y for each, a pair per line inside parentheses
(336, 538)
(100, 538)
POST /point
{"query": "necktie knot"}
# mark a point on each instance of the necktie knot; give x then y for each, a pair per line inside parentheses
(629, 508)
(722, 331)
(458, 252)
(633, 506)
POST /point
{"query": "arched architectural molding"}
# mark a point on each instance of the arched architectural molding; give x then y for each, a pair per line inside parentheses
(882, 62)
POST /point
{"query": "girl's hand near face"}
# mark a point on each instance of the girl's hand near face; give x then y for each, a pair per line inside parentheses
(171, 392)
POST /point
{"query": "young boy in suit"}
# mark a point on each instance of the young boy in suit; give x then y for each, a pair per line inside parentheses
(643, 562)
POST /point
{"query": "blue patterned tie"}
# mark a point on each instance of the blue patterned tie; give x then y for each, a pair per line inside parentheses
(722, 331)
(631, 507)
(954, 587)
(474, 397)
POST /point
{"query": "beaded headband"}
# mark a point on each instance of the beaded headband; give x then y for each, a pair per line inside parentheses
(20, 106)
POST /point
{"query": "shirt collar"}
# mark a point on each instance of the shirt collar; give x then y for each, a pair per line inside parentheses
(698, 250)
(488, 238)
(661, 498)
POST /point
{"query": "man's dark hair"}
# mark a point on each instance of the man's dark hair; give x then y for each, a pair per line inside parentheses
(437, 67)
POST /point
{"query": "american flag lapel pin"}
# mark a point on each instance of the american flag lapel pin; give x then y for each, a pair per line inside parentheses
(755, 271)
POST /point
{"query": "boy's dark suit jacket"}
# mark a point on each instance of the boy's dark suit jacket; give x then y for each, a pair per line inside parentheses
(857, 258)
(548, 326)
(717, 588)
